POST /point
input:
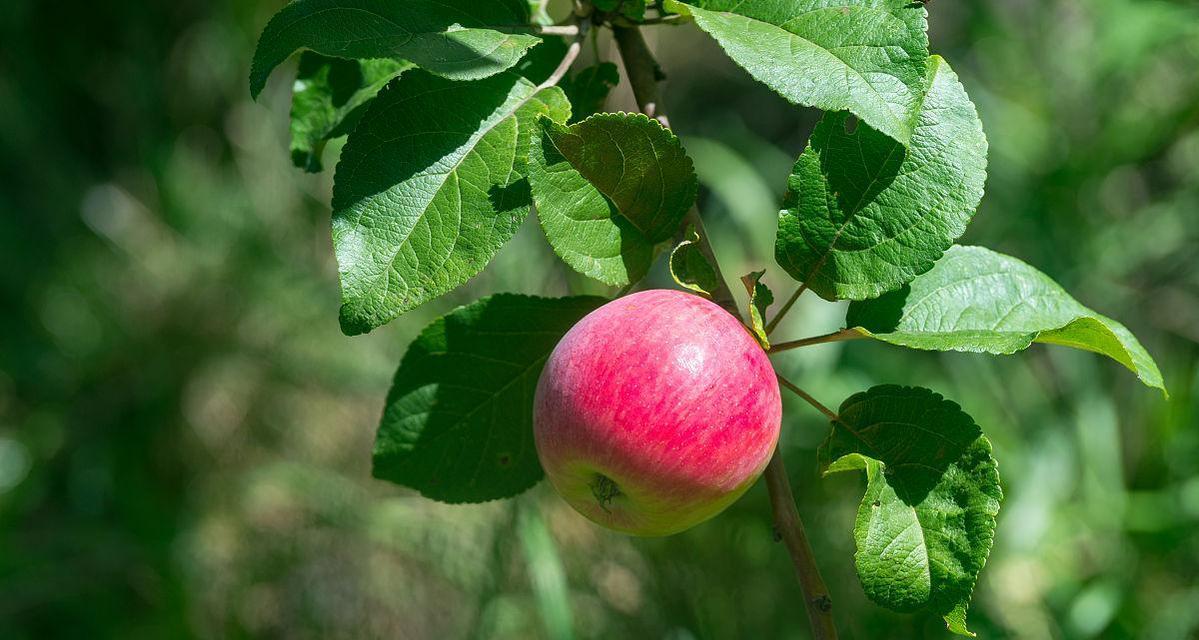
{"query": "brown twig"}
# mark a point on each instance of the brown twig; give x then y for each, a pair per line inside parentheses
(644, 75)
(836, 336)
(782, 313)
(807, 397)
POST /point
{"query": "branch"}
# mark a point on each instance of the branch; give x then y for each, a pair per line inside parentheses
(790, 529)
(807, 397)
(572, 54)
(557, 30)
(836, 336)
(644, 74)
(778, 317)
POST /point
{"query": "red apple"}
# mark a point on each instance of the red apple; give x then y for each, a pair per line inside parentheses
(655, 412)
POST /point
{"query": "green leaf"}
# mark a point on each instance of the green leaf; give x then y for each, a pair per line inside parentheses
(862, 216)
(608, 190)
(329, 98)
(458, 425)
(760, 298)
(926, 524)
(588, 89)
(431, 184)
(631, 9)
(453, 38)
(863, 56)
(690, 268)
(978, 300)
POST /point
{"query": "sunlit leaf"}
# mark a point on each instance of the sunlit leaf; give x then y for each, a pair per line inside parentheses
(978, 300)
(927, 521)
(453, 38)
(431, 184)
(863, 215)
(863, 56)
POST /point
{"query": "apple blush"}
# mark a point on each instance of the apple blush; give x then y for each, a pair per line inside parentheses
(655, 412)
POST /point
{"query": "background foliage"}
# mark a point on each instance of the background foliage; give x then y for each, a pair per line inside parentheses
(185, 433)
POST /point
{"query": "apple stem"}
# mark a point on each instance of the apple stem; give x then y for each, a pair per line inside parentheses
(644, 73)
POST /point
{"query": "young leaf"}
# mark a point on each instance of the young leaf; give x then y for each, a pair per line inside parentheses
(458, 425)
(926, 524)
(588, 89)
(608, 190)
(453, 38)
(631, 9)
(863, 56)
(690, 268)
(330, 96)
(431, 184)
(978, 300)
(760, 299)
(864, 216)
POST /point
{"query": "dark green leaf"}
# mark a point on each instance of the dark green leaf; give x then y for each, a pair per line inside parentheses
(431, 184)
(330, 95)
(608, 190)
(454, 38)
(588, 89)
(760, 299)
(690, 268)
(631, 9)
(864, 216)
(978, 300)
(926, 524)
(863, 56)
(541, 61)
(458, 425)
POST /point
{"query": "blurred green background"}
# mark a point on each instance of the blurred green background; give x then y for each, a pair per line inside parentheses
(185, 434)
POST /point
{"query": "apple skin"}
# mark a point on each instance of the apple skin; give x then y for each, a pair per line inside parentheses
(655, 412)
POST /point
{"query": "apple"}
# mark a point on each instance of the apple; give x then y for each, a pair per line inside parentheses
(655, 412)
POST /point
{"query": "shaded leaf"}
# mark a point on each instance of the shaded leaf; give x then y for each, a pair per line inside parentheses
(863, 56)
(631, 9)
(458, 425)
(453, 38)
(927, 521)
(431, 184)
(978, 300)
(864, 216)
(760, 299)
(690, 268)
(608, 190)
(588, 89)
(329, 97)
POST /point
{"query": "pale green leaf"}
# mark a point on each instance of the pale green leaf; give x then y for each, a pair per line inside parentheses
(864, 216)
(978, 300)
(690, 268)
(458, 425)
(608, 190)
(863, 56)
(431, 184)
(329, 97)
(927, 521)
(454, 38)
(760, 299)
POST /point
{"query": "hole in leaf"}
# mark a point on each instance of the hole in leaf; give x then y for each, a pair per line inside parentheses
(851, 125)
